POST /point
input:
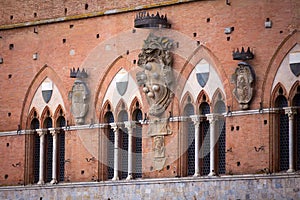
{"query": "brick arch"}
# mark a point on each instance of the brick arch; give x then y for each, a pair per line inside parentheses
(184, 102)
(216, 98)
(133, 107)
(200, 97)
(275, 93)
(119, 108)
(56, 114)
(44, 72)
(104, 110)
(44, 116)
(282, 50)
(293, 92)
(31, 117)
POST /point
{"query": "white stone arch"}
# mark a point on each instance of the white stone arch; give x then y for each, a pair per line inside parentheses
(132, 91)
(284, 75)
(213, 83)
(56, 99)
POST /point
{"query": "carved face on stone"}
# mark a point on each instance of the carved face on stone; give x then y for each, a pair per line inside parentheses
(156, 77)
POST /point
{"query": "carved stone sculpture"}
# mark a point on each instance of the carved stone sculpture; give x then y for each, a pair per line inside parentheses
(156, 80)
(79, 97)
(243, 79)
(156, 77)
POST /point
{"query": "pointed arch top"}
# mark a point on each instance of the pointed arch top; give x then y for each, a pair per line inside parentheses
(43, 73)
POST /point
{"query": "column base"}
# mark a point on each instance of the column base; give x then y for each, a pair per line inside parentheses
(115, 178)
(212, 174)
(41, 182)
(196, 175)
(129, 177)
(290, 170)
(54, 181)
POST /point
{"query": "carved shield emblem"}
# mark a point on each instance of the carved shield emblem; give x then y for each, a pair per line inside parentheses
(122, 82)
(295, 63)
(47, 91)
(202, 72)
(295, 68)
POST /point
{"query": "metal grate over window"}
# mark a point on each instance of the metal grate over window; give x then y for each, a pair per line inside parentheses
(221, 108)
(123, 116)
(49, 153)
(138, 145)
(36, 157)
(189, 110)
(221, 147)
(109, 117)
(204, 141)
(61, 155)
(296, 102)
(205, 148)
(283, 134)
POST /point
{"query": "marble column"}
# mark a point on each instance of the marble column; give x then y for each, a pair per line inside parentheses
(42, 155)
(196, 121)
(130, 125)
(114, 126)
(291, 112)
(213, 140)
(54, 133)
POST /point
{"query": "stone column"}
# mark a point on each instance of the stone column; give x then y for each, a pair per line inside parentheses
(291, 112)
(114, 126)
(212, 128)
(42, 155)
(196, 120)
(130, 125)
(54, 156)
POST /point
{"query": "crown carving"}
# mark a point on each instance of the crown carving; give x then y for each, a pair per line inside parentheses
(243, 55)
(145, 20)
(77, 73)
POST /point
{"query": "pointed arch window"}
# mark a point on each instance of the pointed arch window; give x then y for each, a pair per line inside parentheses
(188, 111)
(283, 131)
(221, 149)
(35, 124)
(109, 118)
(204, 153)
(296, 102)
(61, 122)
(137, 142)
(123, 116)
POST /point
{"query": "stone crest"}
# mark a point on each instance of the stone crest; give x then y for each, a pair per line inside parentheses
(156, 79)
(79, 97)
(243, 79)
(157, 76)
(47, 90)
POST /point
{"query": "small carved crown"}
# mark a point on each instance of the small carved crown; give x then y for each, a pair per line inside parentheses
(145, 20)
(77, 73)
(243, 55)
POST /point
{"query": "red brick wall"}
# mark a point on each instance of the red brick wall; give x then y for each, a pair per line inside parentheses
(247, 18)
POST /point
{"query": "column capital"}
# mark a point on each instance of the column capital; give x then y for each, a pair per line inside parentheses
(213, 117)
(290, 111)
(41, 132)
(130, 124)
(114, 126)
(196, 119)
(53, 131)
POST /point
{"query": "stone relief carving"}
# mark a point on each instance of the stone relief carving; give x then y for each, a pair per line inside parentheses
(156, 77)
(243, 79)
(79, 97)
